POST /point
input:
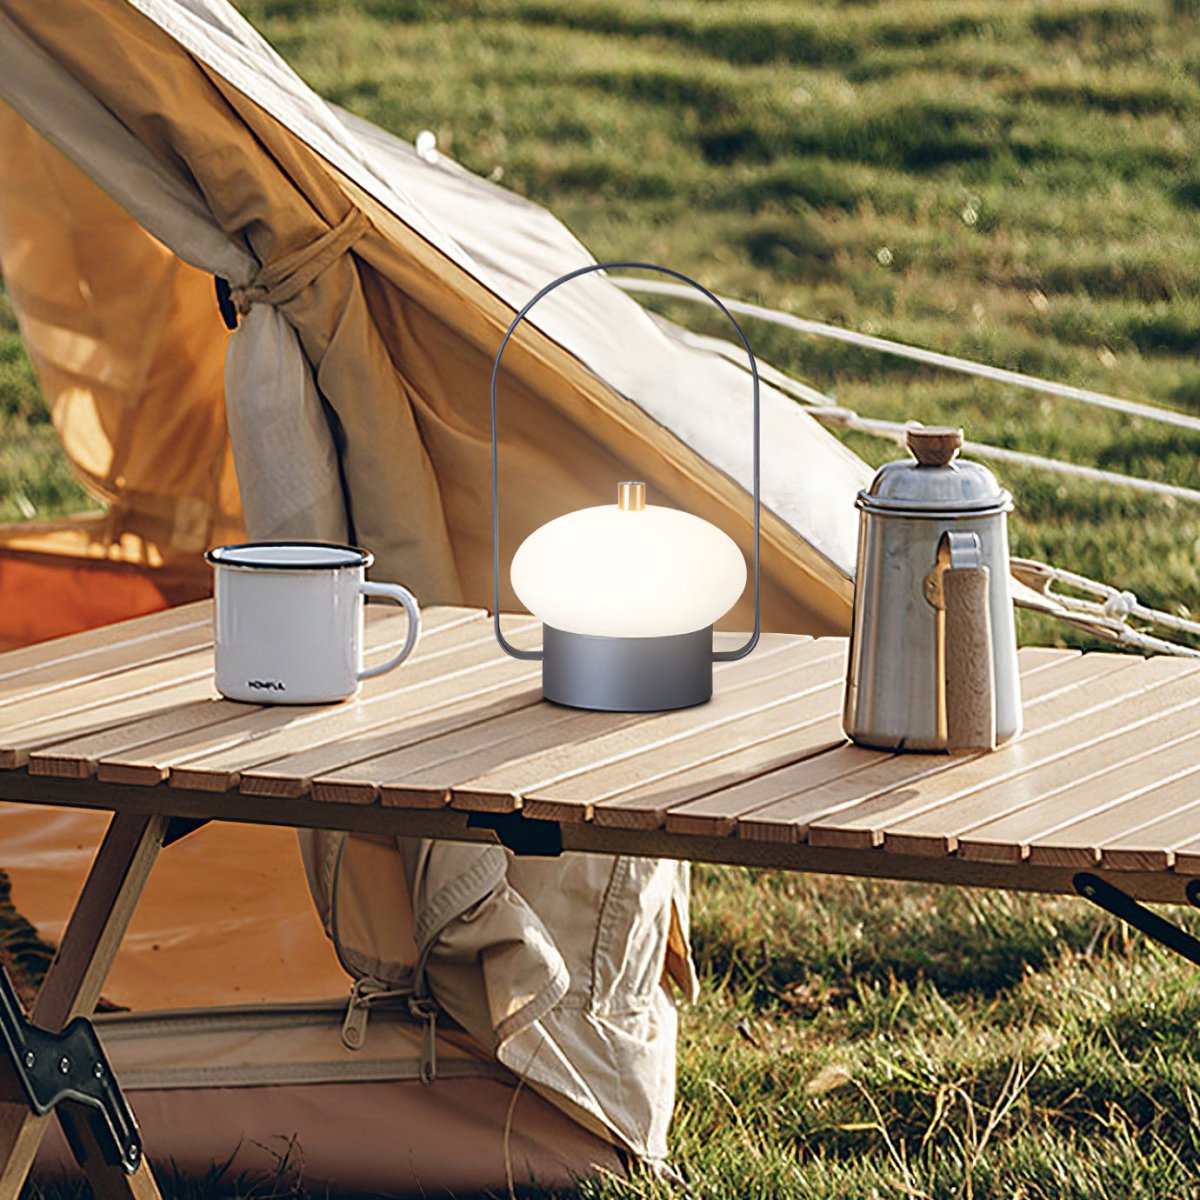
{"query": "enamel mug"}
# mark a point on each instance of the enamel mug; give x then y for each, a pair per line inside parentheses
(289, 621)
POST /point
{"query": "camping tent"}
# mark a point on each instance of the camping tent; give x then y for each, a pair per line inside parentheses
(150, 147)
(376, 286)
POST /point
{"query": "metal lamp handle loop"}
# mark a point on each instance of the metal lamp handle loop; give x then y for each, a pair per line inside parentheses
(720, 655)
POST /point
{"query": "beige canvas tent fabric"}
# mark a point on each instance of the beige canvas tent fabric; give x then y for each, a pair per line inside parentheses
(144, 324)
(231, 1051)
(253, 939)
(270, 1094)
(398, 336)
(373, 288)
(283, 1102)
(564, 968)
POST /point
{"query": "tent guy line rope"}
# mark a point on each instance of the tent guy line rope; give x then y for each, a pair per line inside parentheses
(1113, 605)
(1107, 618)
(931, 358)
(845, 418)
(1090, 617)
(824, 408)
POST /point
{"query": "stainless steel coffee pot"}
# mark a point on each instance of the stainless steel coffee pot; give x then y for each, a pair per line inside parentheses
(933, 649)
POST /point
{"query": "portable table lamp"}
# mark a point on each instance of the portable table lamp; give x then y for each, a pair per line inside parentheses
(628, 593)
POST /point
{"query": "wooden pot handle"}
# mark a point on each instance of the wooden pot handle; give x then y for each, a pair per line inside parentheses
(970, 665)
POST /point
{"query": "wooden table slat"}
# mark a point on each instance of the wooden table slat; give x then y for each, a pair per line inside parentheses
(926, 777)
(857, 812)
(422, 776)
(110, 689)
(56, 678)
(213, 755)
(1170, 716)
(408, 708)
(717, 812)
(394, 766)
(500, 691)
(637, 793)
(1066, 825)
(1104, 808)
(19, 745)
(648, 807)
(112, 709)
(789, 703)
(1063, 677)
(1031, 658)
(1187, 856)
(99, 673)
(736, 691)
(354, 768)
(1173, 824)
(1107, 774)
(1057, 726)
(1173, 786)
(70, 746)
(756, 737)
(1011, 834)
(134, 636)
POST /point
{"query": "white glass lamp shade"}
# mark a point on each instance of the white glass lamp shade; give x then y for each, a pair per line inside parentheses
(637, 573)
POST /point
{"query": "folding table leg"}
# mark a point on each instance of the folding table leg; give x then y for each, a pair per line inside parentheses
(1112, 899)
(72, 988)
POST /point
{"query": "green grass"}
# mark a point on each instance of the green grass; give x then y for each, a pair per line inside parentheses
(1031, 170)
(860, 1039)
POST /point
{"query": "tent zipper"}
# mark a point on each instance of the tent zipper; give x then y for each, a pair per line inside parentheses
(363, 994)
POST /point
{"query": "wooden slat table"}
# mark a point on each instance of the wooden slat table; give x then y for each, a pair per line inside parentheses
(1105, 779)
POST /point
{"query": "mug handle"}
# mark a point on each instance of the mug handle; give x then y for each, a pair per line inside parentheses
(393, 591)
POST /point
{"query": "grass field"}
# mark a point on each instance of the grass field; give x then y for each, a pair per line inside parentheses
(1002, 179)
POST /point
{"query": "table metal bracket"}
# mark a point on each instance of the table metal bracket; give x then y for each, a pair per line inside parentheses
(519, 834)
(1112, 899)
(180, 827)
(70, 1068)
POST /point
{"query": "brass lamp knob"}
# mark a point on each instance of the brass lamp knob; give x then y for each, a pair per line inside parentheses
(631, 497)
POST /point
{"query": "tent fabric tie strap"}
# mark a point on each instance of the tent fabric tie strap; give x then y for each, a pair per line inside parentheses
(287, 276)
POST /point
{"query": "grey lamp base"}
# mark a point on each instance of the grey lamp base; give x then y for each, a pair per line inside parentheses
(640, 674)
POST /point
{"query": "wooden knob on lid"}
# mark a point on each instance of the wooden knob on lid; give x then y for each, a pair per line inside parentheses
(934, 445)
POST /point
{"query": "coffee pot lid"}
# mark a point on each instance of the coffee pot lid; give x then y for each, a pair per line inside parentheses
(934, 480)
